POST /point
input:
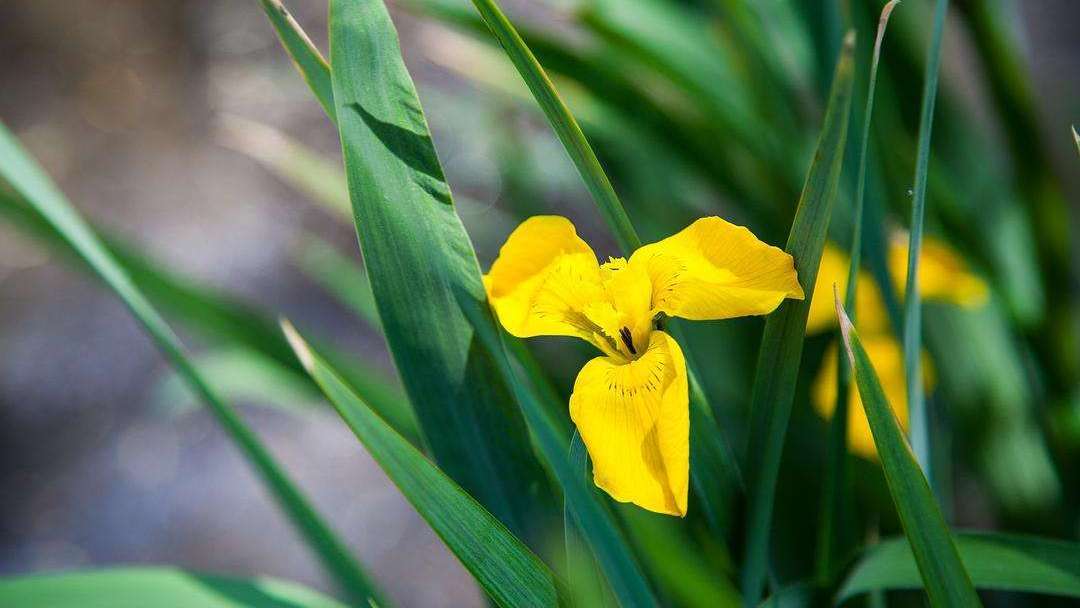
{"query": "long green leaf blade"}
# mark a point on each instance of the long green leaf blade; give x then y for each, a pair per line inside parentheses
(503, 566)
(157, 587)
(920, 422)
(418, 259)
(309, 61)
(31, 182)
(836, 463)
(1004, 562)
(782, 340)
(943, 574)
(563, 122)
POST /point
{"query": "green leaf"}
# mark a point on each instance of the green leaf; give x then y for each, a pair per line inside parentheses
(995, 561)
(563, 122)
(782, 340)
(158, 587)
(835, 470)
(920, 423)
(943, 574)
(309, 61)
(31, 182)
(419, 259)
(339, 275)
(503, 566)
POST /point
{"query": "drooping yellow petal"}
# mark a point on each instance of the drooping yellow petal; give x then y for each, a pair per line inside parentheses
(543, 280)
(943, 274)
(870, 313)
(713, 269)
(634, 418)
(887, 356)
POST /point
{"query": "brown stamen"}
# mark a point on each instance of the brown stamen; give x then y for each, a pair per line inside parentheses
(624, 333)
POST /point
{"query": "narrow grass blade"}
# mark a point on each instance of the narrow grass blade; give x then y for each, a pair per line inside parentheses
(920, 423)
(563, 122)
(419, 259)
(1003, 562)
(944, 577)
(505, 568)
(215, 315)
(836, 463)
(309, 61)
(623, 574)
(27, 178)
(158, 587)
(782, 340)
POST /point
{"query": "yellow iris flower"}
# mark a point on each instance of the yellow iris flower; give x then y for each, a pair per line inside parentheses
(943, 277)
(631, 405)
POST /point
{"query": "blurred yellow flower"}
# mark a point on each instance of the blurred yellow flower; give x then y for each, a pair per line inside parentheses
(943, 277)
(631, 405)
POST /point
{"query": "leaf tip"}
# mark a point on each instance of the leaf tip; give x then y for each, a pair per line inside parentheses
(845, 323)
(298, 344)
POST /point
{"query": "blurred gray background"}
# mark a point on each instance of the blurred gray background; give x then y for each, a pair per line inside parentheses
(121, 101)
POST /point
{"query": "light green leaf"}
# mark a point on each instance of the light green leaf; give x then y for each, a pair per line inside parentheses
(309, 61)
(503, 566)
(31, 182)
(943, 574)
(1004, 562)
(782, 340)
(419, 261)
(157, 587)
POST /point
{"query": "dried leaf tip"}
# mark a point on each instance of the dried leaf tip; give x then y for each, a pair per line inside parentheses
(845, 323)
(299, 346)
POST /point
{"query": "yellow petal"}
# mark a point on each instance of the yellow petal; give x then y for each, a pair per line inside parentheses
(870, 313)
(943, 274)
(716, 270)
(634, 418)
(543, 279)
(887, 356)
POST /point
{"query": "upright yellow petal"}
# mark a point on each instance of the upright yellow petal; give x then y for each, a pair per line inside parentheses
(870, 313)
(713, 269)
(943, 274)
(634, 418)
(543, 280)
(888, 359)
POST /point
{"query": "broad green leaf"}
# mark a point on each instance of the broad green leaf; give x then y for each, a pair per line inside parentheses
(782, 340)
(1003, 562)
(835, 481)
(503, 566)
(420, 261)
(159, 587)
(31, 182)
(309, 61)
(920, 423)
(943, 574)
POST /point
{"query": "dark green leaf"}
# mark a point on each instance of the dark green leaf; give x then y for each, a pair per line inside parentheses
(782, 340)
(994, 561)
(418, 259)
(943, 574)
(156, 587)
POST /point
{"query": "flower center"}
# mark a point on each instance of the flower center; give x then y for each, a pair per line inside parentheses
(628, 340)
